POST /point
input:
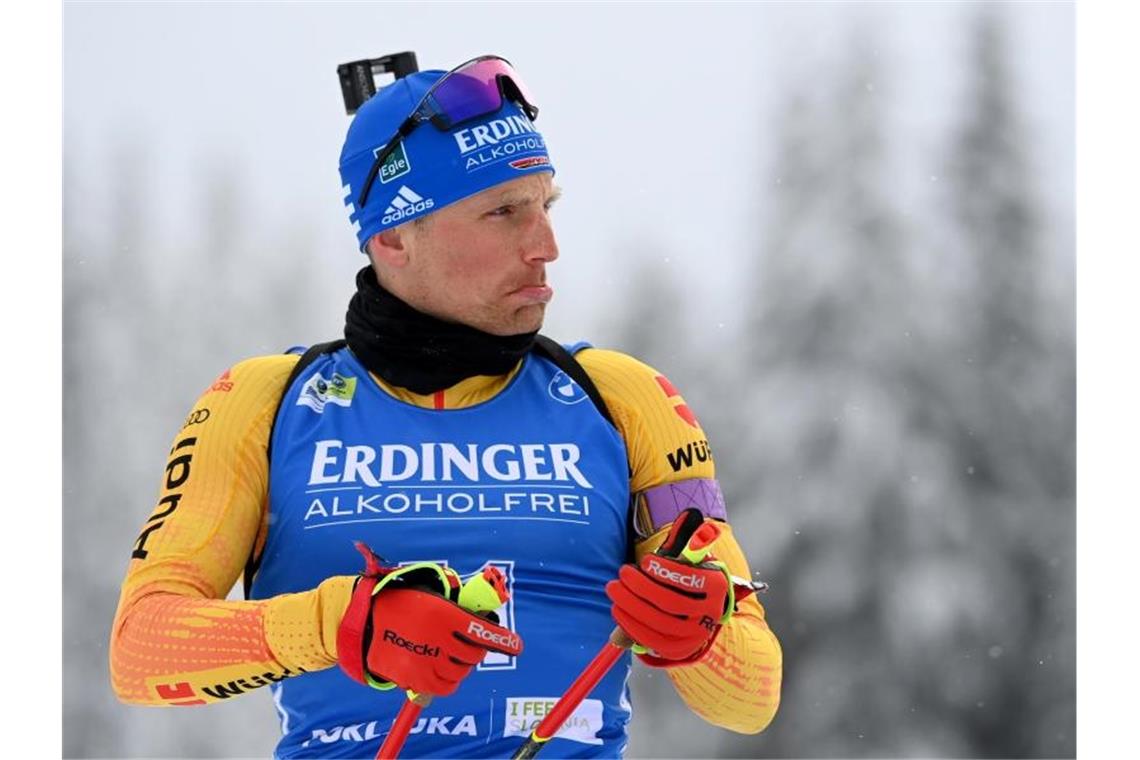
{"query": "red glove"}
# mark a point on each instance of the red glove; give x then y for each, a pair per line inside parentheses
(414, 638)
(669, 606)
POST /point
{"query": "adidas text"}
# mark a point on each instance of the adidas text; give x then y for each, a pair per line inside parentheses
(406, 203)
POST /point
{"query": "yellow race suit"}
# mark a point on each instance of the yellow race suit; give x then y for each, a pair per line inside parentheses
(175, 627)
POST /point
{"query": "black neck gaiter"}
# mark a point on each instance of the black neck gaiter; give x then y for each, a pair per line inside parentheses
(413, 350)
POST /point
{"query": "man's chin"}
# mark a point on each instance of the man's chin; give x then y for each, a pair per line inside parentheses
(527, 319)
(532, 318)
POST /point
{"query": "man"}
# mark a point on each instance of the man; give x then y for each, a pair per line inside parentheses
(442, 434)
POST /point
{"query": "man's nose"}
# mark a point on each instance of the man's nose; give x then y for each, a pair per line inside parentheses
(541, 244)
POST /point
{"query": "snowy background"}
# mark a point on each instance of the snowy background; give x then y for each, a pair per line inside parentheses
(844, 231)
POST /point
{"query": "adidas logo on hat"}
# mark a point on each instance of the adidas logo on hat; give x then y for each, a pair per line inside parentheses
(404, 198)
(406, 203)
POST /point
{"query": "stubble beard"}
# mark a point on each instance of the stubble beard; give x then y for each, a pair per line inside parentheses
(525, 319)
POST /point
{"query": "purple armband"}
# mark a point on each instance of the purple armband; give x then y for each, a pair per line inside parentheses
(659, 506)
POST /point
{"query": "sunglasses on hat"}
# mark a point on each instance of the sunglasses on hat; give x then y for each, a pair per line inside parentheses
(469, 91)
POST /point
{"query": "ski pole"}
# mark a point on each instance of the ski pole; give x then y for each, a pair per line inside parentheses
(689, 539)
(481, 594)
(619, 641)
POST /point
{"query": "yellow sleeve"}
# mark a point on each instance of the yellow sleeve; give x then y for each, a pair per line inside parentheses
(176, 640)
(737, 684)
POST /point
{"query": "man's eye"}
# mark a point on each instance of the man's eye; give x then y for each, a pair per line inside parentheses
(502, 211)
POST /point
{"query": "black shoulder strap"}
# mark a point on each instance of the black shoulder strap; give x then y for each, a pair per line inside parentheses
(565, 361)
(307, 358)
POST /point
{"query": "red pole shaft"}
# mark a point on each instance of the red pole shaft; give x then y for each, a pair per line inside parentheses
(583, 685)
(405, 719)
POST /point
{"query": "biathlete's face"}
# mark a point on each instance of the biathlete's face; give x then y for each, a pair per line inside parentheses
(481, 261)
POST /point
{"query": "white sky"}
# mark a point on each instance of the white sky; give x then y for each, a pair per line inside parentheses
(196, 79)
(655, 114)
(1107, 398)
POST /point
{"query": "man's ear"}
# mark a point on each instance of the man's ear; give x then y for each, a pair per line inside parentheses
(388, 248)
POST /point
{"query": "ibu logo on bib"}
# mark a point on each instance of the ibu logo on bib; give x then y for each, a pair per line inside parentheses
(562, 388)
(317, 392)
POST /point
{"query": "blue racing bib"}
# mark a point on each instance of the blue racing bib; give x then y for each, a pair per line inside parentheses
(534, 481)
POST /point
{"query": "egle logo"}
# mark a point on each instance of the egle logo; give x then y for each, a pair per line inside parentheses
(396, 165)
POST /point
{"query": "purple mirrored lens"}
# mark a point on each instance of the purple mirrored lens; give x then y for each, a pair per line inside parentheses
(473, 90)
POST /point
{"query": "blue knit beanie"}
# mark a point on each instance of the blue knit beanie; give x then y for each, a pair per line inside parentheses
(430, 168)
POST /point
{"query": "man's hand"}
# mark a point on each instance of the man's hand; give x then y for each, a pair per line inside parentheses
(670, 607)
(423, 642)
(407, 634)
